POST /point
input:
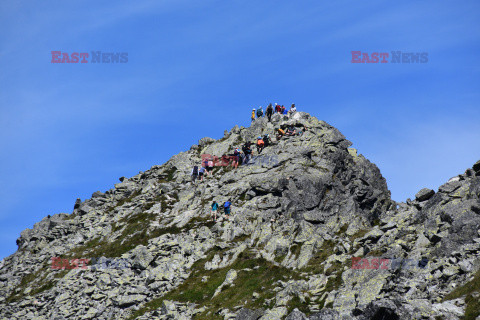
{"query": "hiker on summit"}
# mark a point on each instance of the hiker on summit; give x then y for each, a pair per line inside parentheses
(194, 173)
(292, 110)
(214, 210)
(259, 112)
(278, 109)
(226, 209)
(284, 110)
(269, 112)
(253, 114)
(260, 145)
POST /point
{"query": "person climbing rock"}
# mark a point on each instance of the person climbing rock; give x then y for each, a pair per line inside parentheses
(253, 114)
(260, 145)
(266, 140)
(194, 173)
(280, 133)
(269, 112)
(302, 131)
(205, 165)
(210, 166)
(259, 112)
(236, 158)
(226, 209)
(291, 131)
(214, 210)
(201, 172)
(247, 151)
(244, 148)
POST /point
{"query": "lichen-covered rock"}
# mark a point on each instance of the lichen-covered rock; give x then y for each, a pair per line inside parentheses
(424, 194)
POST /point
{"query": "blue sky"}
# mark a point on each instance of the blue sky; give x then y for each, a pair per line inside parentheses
(196, 68)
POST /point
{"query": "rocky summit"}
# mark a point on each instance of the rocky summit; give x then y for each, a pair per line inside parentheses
(313, 234)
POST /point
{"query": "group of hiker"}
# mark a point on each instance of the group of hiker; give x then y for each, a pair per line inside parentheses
(226, 209)
(271, 109)
(244, 155)
(205, 169)
(290, 131)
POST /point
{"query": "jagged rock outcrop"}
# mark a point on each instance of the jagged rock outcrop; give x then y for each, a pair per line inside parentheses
(314, 234)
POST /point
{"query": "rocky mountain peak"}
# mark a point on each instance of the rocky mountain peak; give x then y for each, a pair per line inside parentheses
(313, 234)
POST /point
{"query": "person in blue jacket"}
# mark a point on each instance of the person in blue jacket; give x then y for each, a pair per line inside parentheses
(226, 208)
(214, 210)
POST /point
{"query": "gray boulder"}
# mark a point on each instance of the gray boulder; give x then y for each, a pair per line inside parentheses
(296, 315)
(325, 314)
(141, 258)
(248, 314)
(424, 194)
(476, 166)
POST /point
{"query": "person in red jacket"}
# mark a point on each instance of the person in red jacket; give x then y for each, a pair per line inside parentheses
(277, 108)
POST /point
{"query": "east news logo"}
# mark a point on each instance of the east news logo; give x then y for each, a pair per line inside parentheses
(95, 57)
(382, 57)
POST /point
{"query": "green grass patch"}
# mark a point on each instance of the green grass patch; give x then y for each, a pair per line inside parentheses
(472, 311)
(261, 280)
(376, 253)
(315, 263)
(135, 232)
(359, 234)
(296, 302)
(279, 258)
(99, 247)
(241, 238)
(128, 199)
(171, 173)
(38, 281)
(70, 216)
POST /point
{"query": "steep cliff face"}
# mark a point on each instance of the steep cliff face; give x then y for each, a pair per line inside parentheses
(308, 215)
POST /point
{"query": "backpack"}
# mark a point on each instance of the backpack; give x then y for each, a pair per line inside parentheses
(259, 112)
(195, 170)
(227, 204)
(260, 142)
